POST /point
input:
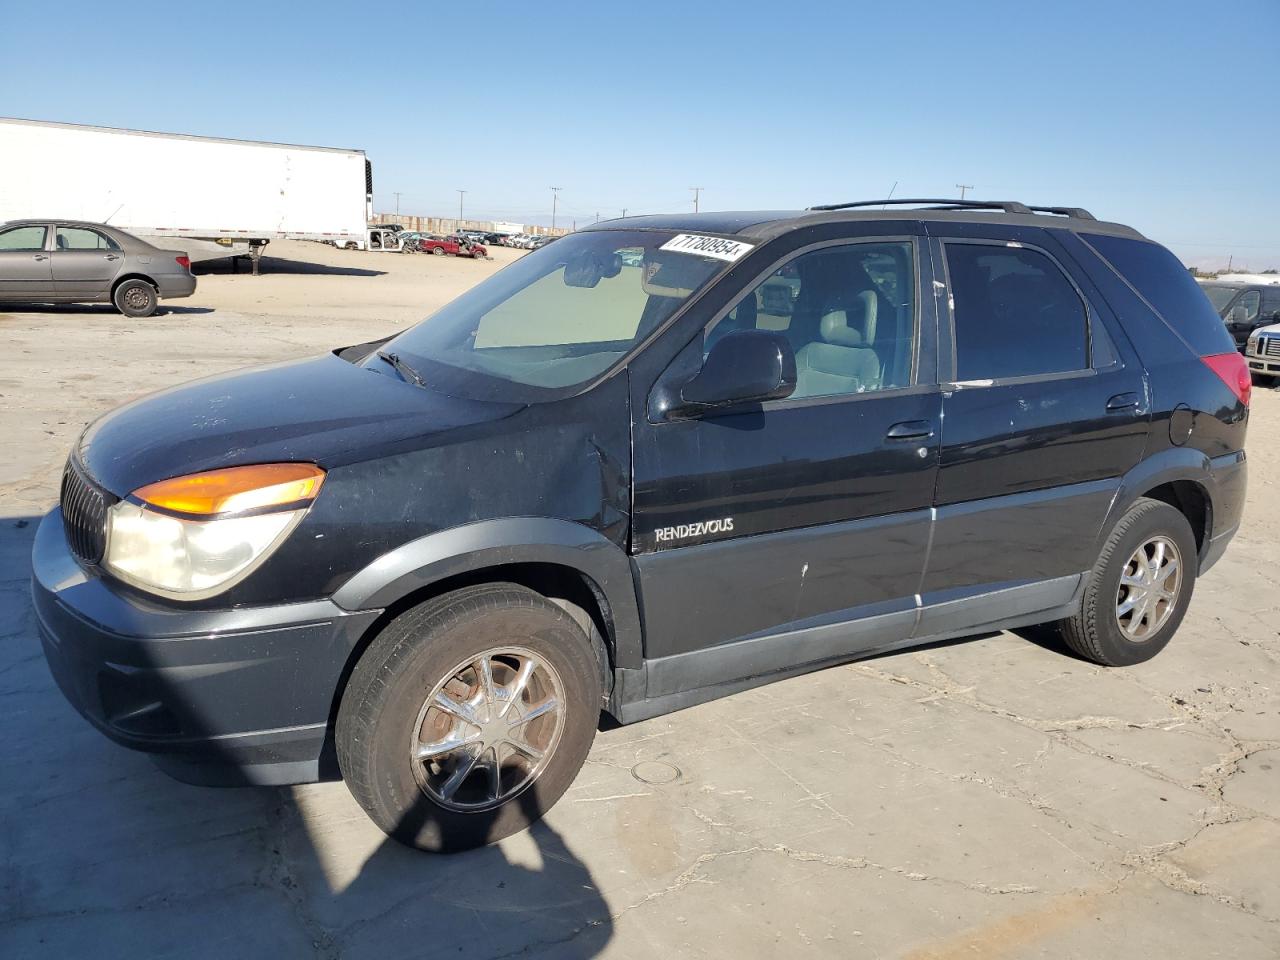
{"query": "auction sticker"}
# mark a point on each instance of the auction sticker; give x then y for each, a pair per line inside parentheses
(716, 247)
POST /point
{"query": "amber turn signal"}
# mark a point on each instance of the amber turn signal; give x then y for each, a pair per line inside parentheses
(235, 489)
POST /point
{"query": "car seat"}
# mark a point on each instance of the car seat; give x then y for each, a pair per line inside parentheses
(841, 360)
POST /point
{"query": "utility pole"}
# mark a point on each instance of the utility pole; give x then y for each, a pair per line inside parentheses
(624, 212)
(555, 196)
(397, 196)
(597, 216)
(461, 194)
(962, 187)
(696, 192)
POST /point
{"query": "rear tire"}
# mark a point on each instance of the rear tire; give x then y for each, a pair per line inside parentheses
(438, 251)
(1139, 590)
(480, 779)
(136, 298)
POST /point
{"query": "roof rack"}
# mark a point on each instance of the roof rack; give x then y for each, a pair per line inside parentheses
(1008, 206)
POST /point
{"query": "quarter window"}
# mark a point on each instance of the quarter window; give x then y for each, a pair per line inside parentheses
(23, 238)
(81, 238)
(1015, 314)
(848, 312)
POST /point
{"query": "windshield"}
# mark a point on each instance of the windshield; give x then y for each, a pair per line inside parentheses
(558, 317)
(1219, 296)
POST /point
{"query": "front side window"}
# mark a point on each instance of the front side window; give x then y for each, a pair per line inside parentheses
(848, 312)
(1245, 309)
(1015, 314)
(22, 238)
(81, 238)
(558, 317)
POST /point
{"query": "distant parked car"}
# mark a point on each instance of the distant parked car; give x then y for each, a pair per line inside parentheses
(454, 245)
(67, 261)
(1244, 307)
(1262, 353)
(496, 239)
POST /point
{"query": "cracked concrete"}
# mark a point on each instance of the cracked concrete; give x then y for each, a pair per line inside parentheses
(993, 798)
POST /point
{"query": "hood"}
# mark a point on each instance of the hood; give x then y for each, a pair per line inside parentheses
(321, 410)
(1271, 330)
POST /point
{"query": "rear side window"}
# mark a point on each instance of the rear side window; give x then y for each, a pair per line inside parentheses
(80, 238)
(1162, 280)
(1015, 314)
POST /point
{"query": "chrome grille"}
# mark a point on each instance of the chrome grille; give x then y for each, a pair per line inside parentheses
(84, 514)
(1269, 347)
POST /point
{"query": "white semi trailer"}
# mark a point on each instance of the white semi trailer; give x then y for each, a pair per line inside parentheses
(221, 197)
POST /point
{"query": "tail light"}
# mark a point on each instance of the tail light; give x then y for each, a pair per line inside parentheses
(184, 262)
(1233, 370)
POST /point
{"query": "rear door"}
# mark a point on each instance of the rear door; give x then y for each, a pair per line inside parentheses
(85, 261)
(1047, 407)
(780, 525)
(25, 273)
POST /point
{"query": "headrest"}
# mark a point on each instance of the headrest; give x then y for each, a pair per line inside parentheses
(834, 328)
(746, 313)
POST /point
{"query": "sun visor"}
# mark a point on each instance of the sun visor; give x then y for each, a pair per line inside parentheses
(671, 274)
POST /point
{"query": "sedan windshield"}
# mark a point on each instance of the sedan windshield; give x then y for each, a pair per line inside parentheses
(557, 318)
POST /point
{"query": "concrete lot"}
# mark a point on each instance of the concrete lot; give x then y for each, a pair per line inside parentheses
(989, 798)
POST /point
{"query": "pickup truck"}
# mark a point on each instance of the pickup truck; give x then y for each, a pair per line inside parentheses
(455, 245)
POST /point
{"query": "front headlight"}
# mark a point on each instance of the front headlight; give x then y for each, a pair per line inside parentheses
(192, 537)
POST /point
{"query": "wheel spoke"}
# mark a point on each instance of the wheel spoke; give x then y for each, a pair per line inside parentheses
(528, 749)
(484, 670)
(546, 706)
(465, 766)
(518, 686)
(1130, 603)
(493, 768)
(1129, 580)
(1167, 570)
(454, 741)
(457, 708)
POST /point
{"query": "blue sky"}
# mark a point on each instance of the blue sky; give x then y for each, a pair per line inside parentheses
(1160, 114)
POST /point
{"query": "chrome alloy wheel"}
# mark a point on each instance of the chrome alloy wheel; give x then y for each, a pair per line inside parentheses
(1149, 586)
(488, 730)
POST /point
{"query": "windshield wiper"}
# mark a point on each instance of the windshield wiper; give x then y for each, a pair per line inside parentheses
(402, 368)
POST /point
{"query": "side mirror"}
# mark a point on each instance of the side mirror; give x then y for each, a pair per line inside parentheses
(746, 366)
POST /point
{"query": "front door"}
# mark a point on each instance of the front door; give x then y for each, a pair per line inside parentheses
(765, 532)
(25, 273)
(85, 262)
(1047, 408)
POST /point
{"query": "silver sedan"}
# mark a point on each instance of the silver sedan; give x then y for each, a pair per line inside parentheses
(67, 261)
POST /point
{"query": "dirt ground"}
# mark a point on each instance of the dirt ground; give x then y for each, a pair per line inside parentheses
(986, 798)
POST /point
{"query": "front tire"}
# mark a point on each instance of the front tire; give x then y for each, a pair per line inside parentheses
(1139, 590)
(136, 298)
(468, 717)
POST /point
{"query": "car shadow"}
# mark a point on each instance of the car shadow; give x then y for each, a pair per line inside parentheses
(106, 856)
(95, 309)
(227, 266)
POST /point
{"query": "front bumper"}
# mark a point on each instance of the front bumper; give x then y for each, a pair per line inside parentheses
(234, 696)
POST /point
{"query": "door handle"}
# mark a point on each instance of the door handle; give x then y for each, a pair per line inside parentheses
(910, 430)
(1123, 401)
(40, 256)
(111, 256)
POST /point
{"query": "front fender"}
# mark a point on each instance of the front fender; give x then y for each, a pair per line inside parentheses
(491, 543)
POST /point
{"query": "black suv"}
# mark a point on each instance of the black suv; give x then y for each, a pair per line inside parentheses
(659, 461)
(1244, 307)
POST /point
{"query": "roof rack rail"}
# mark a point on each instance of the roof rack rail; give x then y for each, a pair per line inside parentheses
(933, 203)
